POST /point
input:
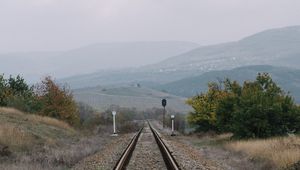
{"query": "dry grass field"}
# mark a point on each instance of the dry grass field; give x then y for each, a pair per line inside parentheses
(21, 131)
(271, 153)
(283, 152)
(37, 142)
(130, 97)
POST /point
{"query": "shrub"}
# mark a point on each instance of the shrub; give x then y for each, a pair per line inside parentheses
(85, 112)
(256, 109)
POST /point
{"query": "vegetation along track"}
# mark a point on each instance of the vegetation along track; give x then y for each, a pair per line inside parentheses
(166, 155)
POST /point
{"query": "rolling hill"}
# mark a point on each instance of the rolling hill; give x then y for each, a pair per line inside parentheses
(288, 79)
(140, 98)
(278, 47)
(90, 58)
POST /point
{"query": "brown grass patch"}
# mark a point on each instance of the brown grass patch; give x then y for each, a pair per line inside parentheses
(36, 118)
(21, 131)
(282, 151)
(15, 137)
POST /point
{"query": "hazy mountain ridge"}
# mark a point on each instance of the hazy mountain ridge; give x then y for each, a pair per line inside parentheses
(278, 47)
(90, 58)
(287, 78)
(103, 56)
(273, 47)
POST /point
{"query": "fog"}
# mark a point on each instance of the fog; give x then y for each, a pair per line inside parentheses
(59, 25)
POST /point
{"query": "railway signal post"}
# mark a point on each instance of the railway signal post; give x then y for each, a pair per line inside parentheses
(114, 113)
(164, 104)
(172, 118)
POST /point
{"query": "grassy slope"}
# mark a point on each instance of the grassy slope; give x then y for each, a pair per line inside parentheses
(20, 131)
(272, 153)
(283, 152)
(140, 98)
(36, 142)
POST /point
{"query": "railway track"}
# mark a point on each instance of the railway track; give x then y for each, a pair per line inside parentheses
(169, 161)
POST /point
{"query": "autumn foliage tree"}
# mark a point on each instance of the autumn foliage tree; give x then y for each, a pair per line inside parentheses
(57, 102)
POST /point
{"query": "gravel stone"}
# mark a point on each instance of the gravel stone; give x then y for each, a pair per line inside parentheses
(146, 154)
(108, 157)
(186, 156)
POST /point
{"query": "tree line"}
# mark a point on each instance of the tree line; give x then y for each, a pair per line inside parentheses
(256, 109)
(46, 98)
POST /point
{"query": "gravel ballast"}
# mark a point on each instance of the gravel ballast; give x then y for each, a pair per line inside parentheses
(146, 154)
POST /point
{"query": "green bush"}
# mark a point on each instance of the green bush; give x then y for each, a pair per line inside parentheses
(15, 92)
(256, 109)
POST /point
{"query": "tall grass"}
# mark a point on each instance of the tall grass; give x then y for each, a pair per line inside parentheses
(21, 131)
(15, 137)
(38, 142)
(283, 152)
(35, 118)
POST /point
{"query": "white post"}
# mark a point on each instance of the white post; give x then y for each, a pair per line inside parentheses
(114, 122)
(172, 118)
(172, 125)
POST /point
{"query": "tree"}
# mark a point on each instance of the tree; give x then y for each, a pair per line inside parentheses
(18, 86)
(21, 95)
(15, 92)
(3, 91)
(204, 105)
(257, 109)
(57, 102)
(264, 110)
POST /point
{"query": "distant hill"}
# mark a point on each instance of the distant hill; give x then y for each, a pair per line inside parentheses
(129, 96)
(102, 56)
(90, 58)
(288, 79)
(278, 47)
(125, 77)
(31, 65)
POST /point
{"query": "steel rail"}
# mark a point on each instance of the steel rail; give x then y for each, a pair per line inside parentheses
(169, 160)
(167, 156)
(124, 160)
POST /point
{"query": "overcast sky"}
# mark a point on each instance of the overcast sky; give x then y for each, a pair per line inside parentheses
(30, 25)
